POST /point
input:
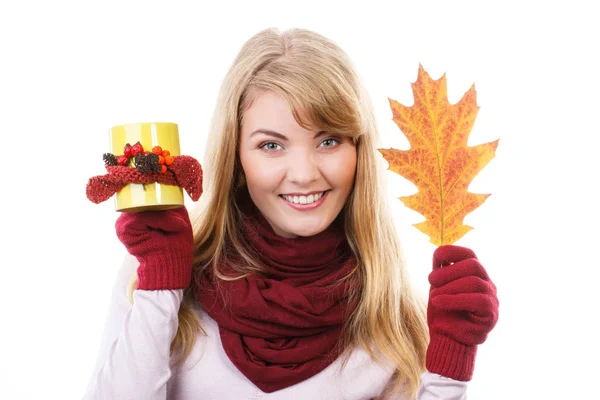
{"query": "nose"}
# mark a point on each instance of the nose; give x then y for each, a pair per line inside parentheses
(303, 168)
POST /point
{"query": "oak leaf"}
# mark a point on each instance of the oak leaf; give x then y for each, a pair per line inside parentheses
(439, 162)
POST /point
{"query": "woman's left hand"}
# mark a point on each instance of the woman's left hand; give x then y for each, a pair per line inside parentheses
(462, 310)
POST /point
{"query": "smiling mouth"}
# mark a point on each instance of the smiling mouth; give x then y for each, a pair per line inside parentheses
(303, 199)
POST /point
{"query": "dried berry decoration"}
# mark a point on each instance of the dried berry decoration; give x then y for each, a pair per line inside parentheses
(157, 150)
(123, 161)
(109, 159)
(145, 162)
(136, 149)
(127, 150)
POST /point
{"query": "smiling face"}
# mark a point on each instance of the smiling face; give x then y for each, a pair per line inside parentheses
(299, 179)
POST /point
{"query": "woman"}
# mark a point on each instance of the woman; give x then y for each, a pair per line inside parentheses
(291, 284)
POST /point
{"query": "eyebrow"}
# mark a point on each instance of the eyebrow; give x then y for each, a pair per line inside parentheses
(279, 135)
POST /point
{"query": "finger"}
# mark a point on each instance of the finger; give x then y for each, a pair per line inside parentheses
(467, 284)
(449, 254)
(480, 304)
(469, 267)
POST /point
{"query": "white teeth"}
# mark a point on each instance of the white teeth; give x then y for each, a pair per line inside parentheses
(303, 199)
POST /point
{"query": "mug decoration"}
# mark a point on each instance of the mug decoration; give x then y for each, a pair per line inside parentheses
(137, 166)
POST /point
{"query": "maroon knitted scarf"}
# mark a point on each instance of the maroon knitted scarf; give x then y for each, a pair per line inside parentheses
(283, 327)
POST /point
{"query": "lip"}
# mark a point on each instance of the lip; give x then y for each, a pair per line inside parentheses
(307, 207)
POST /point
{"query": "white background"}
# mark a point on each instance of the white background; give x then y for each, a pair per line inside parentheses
(71, 70)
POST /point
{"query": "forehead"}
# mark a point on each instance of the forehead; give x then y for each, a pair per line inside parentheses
(270, 110)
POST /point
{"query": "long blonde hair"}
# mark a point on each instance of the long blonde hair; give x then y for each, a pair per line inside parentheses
(319, 82)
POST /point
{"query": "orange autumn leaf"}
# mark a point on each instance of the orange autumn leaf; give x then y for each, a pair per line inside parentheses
(439, 162)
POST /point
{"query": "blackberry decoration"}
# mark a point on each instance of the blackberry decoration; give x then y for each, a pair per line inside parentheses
(146, 163)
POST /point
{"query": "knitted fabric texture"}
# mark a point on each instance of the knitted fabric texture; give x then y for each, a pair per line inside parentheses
(163, 243)
(284, 325)
(185, 172)
(462, 311)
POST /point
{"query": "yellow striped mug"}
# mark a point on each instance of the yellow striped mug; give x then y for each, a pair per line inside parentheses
(150, 196)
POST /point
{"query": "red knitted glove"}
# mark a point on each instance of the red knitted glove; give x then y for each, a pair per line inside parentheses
(163, 243)
(462, 310)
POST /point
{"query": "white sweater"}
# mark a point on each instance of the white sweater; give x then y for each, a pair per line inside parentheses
(133, 361)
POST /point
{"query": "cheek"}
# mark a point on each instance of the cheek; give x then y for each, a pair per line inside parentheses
(341, 170)
(260, 173)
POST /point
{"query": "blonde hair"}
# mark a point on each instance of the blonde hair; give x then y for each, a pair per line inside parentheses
(319, 82)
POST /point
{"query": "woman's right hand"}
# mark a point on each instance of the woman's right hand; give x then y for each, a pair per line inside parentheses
(163, 243)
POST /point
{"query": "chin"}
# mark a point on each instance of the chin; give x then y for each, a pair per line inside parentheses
(308, 229)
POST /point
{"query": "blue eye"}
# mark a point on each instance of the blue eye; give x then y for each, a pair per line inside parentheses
(269, 146)
(330, 140)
